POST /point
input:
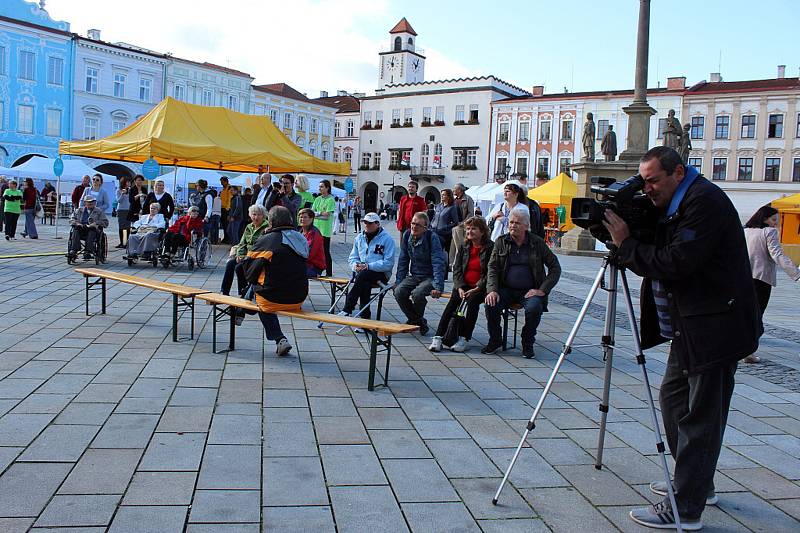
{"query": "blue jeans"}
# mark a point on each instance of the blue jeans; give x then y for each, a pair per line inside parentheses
(30, 223)
(312, 272)
(533, 307)
(411, 295)
(272, 326)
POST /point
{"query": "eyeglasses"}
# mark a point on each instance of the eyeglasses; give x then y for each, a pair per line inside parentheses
(418, 225)
(287, 183)
(95, 179)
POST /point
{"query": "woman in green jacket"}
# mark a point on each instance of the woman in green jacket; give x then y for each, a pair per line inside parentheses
(254, 230)
(12, 207)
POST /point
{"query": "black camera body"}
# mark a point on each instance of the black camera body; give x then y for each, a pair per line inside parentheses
(623, 198)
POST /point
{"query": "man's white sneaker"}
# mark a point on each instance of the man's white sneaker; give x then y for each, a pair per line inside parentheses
(436, 344)
(460, 346)
(282, 347)
(660, 516)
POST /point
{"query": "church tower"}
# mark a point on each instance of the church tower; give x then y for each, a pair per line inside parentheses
(402, 63)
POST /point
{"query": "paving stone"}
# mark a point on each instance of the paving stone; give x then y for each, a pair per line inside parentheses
(384, 418)
(298, 519)
(85, 413)
(235, 429)
(185, 419)
(225, 506)
(376, 398)
(490, 431)
(351, 465)
(291, 439)
(600, 487)
(223, 528)
(230, 467)
(464, 403)
(151, 519)
(477, 496)
(424, 409)
(174, 452)
(530, 470)
(755, 513)
(779, 462)
(193, 397)
(25, 488)
(398, 444)
(340, 430)
(126, 431)
(15, 525)
(21, 429)
(240, 391)
(78, 510)
(122, 373)
(293, 481)
(285, 398)
(60, 444)
(7, 456)
(142, 406)
(440, 429)
(514, 525)
(65, 384)
(440, 517)
(43, 403)
(765, 483)
(102, 472)
(200, 378)
(286, 414)
(564, 509)
(462, 458)
(418, 480)
(101, 392)
(160, 488)
(361, 509)
(561, 452)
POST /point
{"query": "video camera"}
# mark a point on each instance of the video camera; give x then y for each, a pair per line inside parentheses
(623, 198)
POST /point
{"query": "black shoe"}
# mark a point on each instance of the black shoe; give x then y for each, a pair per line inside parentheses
(528, 352)
(424, 329)
(120, 245)
(492, 347)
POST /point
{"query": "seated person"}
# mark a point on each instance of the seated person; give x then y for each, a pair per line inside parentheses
(316, 251)
(516, 275)
(145, 232)
(276, 268)
(420, 271)
(469, 283)
(87, 223)
(371, 260)
(180, 233)
(254, 230)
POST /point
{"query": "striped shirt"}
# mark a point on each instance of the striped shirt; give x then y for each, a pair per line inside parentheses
(662, 308)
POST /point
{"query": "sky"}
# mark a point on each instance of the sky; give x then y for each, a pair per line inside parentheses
(577, 45)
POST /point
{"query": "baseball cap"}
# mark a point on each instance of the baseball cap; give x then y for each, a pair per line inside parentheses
(89, 199)
(371, 218)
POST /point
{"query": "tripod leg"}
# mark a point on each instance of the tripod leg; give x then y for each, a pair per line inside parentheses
(653, 417)
(564, 352)
(608, 356)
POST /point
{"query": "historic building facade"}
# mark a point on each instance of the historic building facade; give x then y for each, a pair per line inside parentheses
(346, 127)
(208, 84)
(35, 82)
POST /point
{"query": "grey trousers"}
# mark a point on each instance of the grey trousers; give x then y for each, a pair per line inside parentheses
(695, 412)
(411, 295)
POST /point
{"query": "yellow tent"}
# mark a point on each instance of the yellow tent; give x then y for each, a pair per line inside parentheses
(188, 135)
(558, 191)
(789, 208)
(787, 202)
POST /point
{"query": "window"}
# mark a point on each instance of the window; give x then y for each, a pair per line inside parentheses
(90, 128)
(502, 132)
(2, 60)
(273, 116)
(348, 157)
(312, 150)
(437, 149)
(524, 132)
(460, 113)
(208, 99)
(544, 130)
(395, 116)
(563, 164)
(350, 128)
(775, 127)
(721, 129)
(179, 92)
(424, 155)
(301, 123)
(91, 80)
(472, 158)
(365, 158)
(55, 71)
(2, 121)
(439, 113)
(406, 160)
(796, 169)
(287, 121)
(408, 115)
(698, 124)
(376, 162)
(566, 130)
(53, 128)
(543, 165)
(458, 157)
(233, 102)
(696, 162)
(25, 118)
(335, 156)
(117, 125)
(662, 125)
(522, 165)
(367, 119)
(748, 126)
(394, 161)
(145, 89)
(602, 128)
(745, 169)
(314, 125)
(426, 115)
(797, 129)
(27, 66)
(300, 141)
(337, 129)
(473, 113)
(719, 169)
(772, 169)
(119, 85)
(378, 119)
(502, 163)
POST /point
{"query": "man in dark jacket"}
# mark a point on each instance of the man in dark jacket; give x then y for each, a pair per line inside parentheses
(283, 193)
(420, 271)
(516, 275)
(697, 292)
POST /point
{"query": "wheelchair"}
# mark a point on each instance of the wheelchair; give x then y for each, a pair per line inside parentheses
(101, 248)
(150, 257)
(196, 253)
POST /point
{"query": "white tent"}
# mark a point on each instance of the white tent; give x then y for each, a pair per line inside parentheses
(313, 184)
(180, 178)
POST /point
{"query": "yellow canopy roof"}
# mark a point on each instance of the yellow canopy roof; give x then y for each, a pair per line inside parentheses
(787, 202)
(559, 190)
(181, 134)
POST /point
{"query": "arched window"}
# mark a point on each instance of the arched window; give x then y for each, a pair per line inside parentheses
(398, 44)
(410, 41)
(424, 156)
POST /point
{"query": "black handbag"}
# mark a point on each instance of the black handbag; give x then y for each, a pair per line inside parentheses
(454, 326)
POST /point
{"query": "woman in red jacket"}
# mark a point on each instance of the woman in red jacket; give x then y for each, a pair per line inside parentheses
(316, 252)
(29, 196)
(180, 233)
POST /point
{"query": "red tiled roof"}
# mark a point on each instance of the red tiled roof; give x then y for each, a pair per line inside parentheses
(282, 89)
(775, 84)
(403, 27)
(345, 104)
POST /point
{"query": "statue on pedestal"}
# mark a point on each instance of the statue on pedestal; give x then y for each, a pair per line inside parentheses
(672, 131)
(608, 146)
(685, 145)
(587, 139)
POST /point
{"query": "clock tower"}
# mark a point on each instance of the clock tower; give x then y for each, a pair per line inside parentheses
(402, 63)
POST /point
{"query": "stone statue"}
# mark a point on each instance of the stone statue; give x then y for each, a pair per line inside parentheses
(587, 139)
(608, 146)
(685, 145)
(672, 131)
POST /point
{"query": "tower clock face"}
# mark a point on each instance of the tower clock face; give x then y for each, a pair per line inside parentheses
(415, 64)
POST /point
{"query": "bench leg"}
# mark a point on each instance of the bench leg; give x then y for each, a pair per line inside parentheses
(86, 278)
(516, 317)
(373, 357)
(232, 336)
(388, 358)
(191, 334)
(103, 295)
(174, 318)
(380, 306)
(214, 330)
(505, 329)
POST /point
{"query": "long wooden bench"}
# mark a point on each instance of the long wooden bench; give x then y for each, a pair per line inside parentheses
(182, 296)
(380, 333)
(338, 285)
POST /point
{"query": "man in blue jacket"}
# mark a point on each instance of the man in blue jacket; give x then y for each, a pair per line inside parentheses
(420, 271)
(371, 260)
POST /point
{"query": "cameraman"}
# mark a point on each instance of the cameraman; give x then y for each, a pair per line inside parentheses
(697, 293)
(283, 193)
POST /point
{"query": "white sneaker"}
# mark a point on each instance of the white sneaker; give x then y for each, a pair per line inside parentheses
(342, 313)
(460, 346)
(282, 347)
(436, 344)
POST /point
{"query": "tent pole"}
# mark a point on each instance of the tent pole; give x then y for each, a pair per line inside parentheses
(175, 179)
(58, 202)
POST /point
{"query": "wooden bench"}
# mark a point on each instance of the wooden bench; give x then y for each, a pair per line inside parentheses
(182, 296)
(338, 285)
(509, 313)
(380, 333)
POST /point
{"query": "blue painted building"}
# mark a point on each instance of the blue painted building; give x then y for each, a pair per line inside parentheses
(36, 76)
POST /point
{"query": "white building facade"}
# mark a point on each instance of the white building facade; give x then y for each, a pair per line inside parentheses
(346, 128)
(208, 84)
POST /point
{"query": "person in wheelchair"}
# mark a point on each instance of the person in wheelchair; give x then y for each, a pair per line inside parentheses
(146, 233)
(179, 235)
(87, 225)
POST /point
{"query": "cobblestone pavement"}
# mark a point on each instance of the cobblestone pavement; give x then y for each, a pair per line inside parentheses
(106, 424)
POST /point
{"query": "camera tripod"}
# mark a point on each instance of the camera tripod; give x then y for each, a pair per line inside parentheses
(607, 342)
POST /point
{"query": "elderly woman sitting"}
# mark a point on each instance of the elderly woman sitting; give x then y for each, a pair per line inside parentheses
(180, 233)
(146, 232)
(254, 230)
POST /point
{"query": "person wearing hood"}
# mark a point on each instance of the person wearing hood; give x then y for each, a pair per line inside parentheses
(276, 268)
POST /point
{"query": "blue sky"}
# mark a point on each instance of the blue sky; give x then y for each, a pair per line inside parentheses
(578, 44)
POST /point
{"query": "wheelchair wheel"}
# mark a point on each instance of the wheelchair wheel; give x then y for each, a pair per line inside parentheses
(101, 253)
(190, 263)
(203, 252)
(154, 259)
(130, 261)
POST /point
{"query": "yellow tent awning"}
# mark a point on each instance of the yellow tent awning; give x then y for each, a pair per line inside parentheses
(188, 135)
(559, 191)
(788, 202)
